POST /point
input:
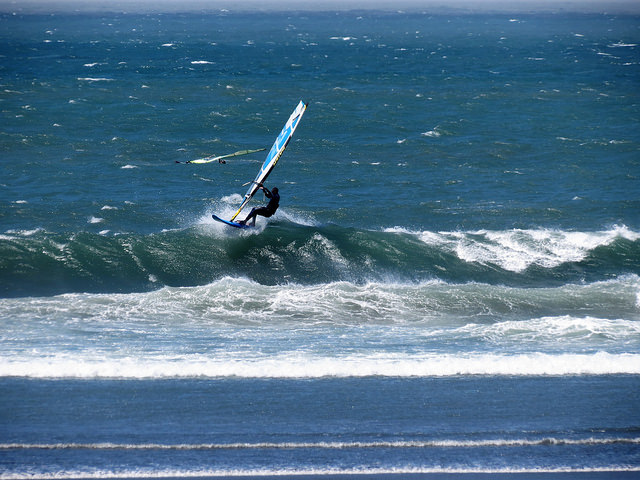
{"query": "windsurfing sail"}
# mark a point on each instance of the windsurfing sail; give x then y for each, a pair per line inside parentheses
(274, 154)
(219, 158)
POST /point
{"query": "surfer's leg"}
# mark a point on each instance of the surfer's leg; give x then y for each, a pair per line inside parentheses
(262, 211)
(251, 215)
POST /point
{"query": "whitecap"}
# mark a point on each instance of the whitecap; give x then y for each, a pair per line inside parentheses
(516, 250)
(25, 233)
(431, 133)
(233, 198)
(297, 218)
(95, 79)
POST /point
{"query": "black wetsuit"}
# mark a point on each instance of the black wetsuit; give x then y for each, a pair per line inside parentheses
(269, 209)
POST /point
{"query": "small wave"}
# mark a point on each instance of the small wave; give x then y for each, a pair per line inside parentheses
(95, 79)
(435, 133)
(299, 471)
(24, 233)
(431, 133)
(403, 444)
(232, 199)
(488, 311)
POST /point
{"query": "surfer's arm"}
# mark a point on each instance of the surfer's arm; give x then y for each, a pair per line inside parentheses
(266, 191)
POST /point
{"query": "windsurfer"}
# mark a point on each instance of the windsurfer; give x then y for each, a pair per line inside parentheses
(266, 211)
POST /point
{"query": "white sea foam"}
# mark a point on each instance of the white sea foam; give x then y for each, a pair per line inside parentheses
(479, 308)
(299, 471)
(299, 365)
(297, 218)
(551, 329)
(95, 79)
(234, 198)
(329, 445)
(25, 233)
(338, 329)
(518, 249)
(431, 133)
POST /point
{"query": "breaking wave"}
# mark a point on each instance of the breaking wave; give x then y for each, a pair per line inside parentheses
(38, 262)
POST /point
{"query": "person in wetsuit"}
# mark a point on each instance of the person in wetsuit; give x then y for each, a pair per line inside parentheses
(268, 210)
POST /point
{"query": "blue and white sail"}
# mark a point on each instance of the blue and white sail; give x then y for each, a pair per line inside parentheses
(274, 154)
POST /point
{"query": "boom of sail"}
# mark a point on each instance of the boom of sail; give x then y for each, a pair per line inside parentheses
(220, 158)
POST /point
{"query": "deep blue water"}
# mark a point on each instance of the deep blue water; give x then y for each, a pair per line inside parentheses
(204, 427)
(451, 283)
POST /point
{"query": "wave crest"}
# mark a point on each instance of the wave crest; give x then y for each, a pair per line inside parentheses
(43, 263)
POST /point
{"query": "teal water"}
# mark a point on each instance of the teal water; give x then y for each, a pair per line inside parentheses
(451, 283)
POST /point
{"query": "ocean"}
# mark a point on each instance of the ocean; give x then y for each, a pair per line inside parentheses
(451, 286)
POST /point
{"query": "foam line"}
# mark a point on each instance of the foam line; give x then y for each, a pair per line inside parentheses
(309, 366)
(547, 441)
